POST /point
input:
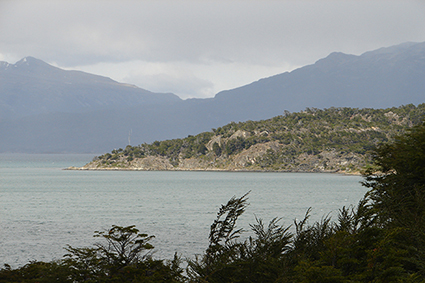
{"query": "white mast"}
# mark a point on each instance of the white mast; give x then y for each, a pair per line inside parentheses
(129, 136)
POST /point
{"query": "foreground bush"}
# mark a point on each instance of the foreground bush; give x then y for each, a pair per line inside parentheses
(124, 257)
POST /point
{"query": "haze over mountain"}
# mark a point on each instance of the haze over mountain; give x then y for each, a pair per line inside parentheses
(46, 109)
(32, 86)
(382, 78)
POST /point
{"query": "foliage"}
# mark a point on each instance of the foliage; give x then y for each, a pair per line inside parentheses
(227, 260)
(124, 245)
(123, 258)
(40, 272)
(216, 149)
(398, 191)
(398, 188)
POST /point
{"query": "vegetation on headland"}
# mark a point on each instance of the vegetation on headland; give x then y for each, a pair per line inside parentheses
(382, 239)
(329, 140)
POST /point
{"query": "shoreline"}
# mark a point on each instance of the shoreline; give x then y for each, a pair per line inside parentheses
(73, 168)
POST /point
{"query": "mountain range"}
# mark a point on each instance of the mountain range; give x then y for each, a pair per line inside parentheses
(32, 87)
(44, 109)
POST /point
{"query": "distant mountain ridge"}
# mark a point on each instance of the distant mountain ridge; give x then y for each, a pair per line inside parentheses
(46, 109)
(386, 77)
(32, 87)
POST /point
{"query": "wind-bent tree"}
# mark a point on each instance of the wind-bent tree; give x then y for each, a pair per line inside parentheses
(125, 257)
(260, 258)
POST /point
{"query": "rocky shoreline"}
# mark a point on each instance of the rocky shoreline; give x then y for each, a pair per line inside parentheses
(351, 173)
(344, 165)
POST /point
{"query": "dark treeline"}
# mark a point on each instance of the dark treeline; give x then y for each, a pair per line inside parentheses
(382, 239)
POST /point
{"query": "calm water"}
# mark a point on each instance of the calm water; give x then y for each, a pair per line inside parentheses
(44, 208)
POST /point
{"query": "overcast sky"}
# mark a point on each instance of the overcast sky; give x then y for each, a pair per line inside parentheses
(196, 48)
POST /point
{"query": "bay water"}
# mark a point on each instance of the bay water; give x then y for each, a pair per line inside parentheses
(44, 208)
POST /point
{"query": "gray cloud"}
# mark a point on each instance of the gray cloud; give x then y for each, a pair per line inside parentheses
(201, 38)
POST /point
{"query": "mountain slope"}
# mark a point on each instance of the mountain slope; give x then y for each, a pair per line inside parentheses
(32, 87)
(386, 77)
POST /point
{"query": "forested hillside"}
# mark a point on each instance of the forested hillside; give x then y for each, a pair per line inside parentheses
(314, 140)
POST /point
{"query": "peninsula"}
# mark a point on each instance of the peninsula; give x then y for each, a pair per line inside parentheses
(314, 140)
